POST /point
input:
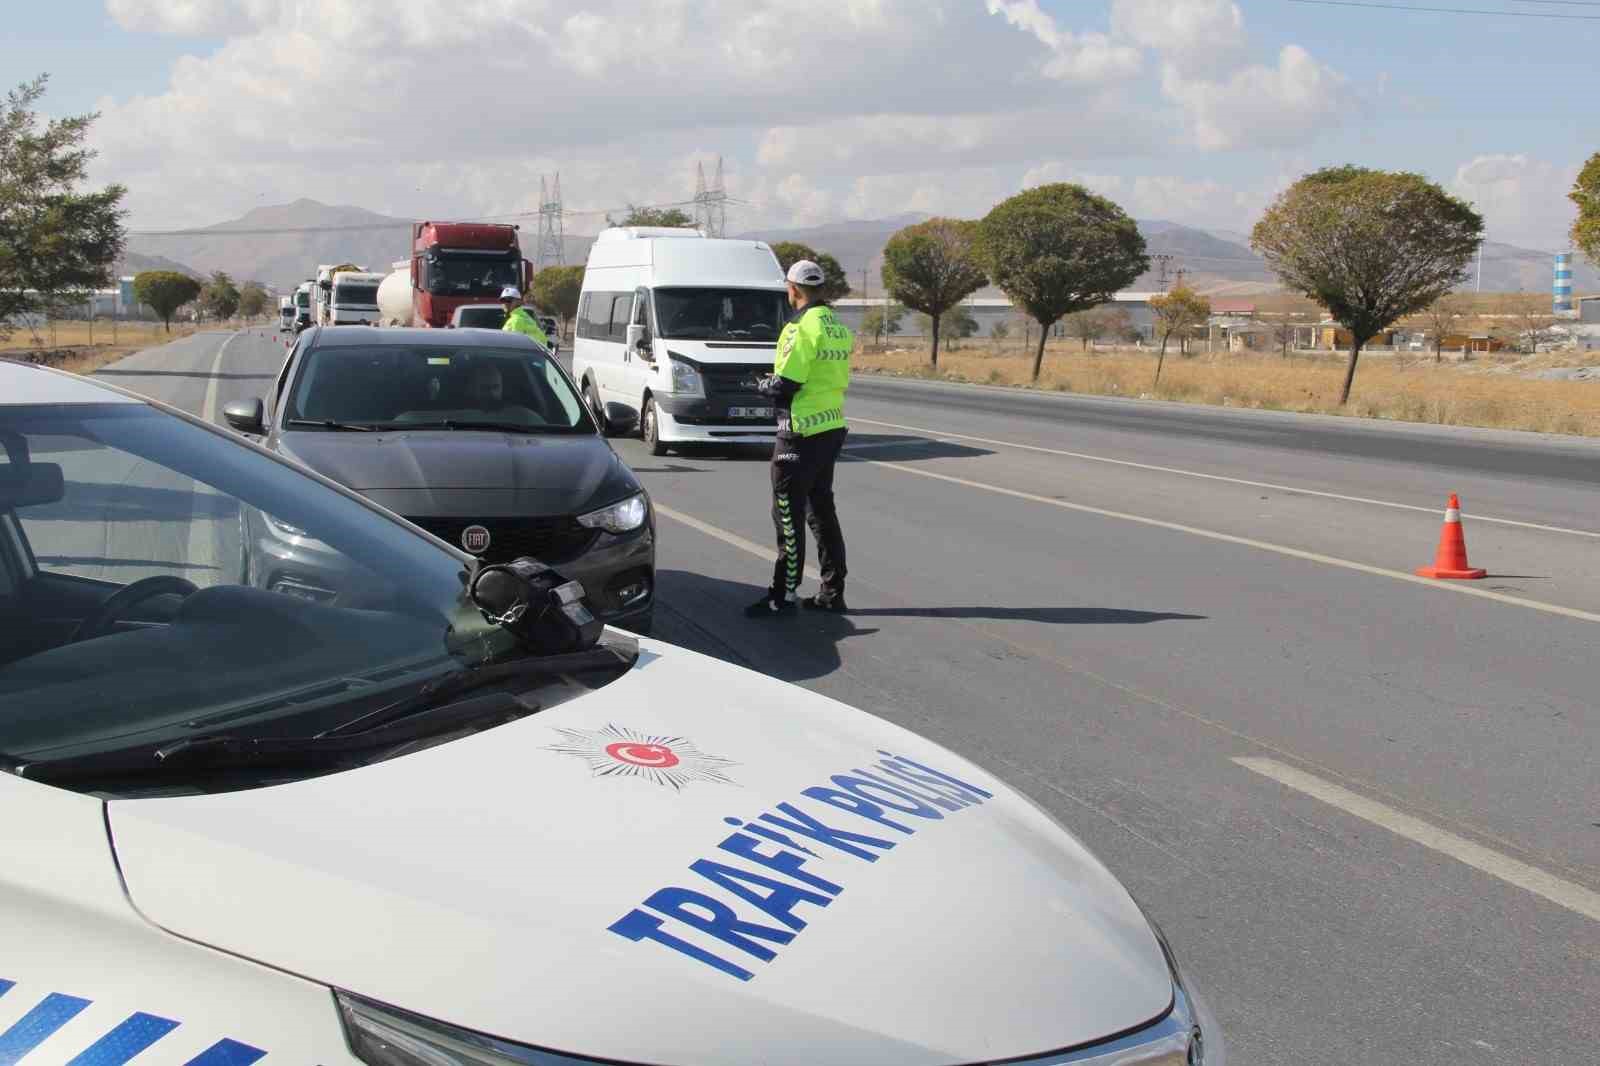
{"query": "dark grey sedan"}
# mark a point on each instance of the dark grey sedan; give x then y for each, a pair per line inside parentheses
(479, 438)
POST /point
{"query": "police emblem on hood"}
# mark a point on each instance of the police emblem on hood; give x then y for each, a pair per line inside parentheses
(616, 751)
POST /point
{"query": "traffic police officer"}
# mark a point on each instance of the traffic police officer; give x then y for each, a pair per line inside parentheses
(518, 318)
(811, 373)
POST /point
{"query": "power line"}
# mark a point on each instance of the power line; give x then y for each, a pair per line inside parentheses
(1450, 10)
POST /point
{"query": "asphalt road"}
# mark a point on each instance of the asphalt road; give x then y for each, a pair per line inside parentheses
(1364, 807)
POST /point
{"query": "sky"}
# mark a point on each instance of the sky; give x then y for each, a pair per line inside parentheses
(1193, 111)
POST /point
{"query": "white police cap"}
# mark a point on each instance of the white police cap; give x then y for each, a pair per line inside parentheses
(805, 272)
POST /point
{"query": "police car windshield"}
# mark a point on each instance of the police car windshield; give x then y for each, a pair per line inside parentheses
(715, 314)
(411, 386)
(160, 581)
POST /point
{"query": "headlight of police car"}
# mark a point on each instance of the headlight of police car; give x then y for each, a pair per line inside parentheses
(385, 1036)
(686, 380)
(624, 516)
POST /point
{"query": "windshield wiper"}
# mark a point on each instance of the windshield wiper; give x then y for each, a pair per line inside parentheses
(469, 423)
(328, 423)
(229, 751)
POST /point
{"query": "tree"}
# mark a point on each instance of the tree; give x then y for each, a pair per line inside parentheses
(54, 238)
(1532, 322)
(1586, 194)
(1090, 326)
(1000, 331)
(220, 298)
(556, 290)
(164, 291)
(252, 299)
(1441, 317)
(1370, 246)
(932, 266)
(956, 324)
(1176, 313)
(882, 321)
(835, 283)
(669, 217)
(1058, 249)
(1283, 333)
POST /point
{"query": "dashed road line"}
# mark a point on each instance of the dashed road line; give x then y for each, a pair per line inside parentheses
(1574, 897)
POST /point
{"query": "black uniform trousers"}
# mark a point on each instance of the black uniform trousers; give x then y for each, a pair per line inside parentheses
(802, 494)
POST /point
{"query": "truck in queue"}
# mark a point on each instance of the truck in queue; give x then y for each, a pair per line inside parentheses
(285, 313)
(303, 309)
(451, 264)
(322, 294)
(355, 298)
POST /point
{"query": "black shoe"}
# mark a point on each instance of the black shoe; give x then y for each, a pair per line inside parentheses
(830, 604)
(769, 606)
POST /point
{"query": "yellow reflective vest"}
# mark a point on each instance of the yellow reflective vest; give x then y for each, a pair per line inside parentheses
(814, 352)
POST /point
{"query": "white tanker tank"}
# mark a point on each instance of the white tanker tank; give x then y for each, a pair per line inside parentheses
(394, 296)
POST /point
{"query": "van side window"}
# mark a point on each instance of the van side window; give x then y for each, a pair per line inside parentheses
(580, 325)
(621, 314)
(599, 316)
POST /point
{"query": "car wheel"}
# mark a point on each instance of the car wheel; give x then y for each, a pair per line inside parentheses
(650, 428)
(592, 398)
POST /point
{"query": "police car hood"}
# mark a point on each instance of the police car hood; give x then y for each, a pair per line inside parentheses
(695, 865)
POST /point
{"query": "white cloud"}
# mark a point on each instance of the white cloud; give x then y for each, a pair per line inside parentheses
(1085, 57)
(1523, 201)
(922, 104)
(1194, 36)
(1288, 104)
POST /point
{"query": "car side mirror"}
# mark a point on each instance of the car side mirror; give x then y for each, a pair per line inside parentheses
(635, 335)
(621, 419)
(246, 416)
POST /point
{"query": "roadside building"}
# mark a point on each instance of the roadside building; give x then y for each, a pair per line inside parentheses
(988, 311)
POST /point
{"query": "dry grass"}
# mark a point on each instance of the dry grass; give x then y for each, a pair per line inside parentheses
(67, 346)
(1401, 388)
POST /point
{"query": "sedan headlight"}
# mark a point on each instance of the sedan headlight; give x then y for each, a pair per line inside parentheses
(686, 380)
(624, 516)
(384, 1036)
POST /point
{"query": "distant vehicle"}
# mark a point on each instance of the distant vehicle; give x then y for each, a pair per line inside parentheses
(478, 316)
(322, 293)
(434, 426)
(285, 313)
(302, 305)
(551, 330)
(451, 264)
(678, 327)
(355, 298)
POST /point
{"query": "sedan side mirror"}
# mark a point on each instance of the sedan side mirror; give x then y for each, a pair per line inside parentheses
(246, 416)
(621, 419)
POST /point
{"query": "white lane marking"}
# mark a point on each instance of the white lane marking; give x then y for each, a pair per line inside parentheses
(759, 550)
(1248, 542)
(1573, 897)
(936, 434)
(203, 532)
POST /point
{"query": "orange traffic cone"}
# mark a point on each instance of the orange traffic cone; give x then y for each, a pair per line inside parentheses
(1451, 558)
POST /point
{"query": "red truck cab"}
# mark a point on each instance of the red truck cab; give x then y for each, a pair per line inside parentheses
(455, 263)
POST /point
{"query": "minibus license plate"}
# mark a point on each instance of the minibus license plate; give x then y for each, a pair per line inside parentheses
(749, 412)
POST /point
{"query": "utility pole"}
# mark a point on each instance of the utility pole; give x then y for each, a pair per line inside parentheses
(1163, 261)
(710, 202)
(1480, 267)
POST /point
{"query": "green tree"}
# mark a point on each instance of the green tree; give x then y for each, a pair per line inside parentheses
(931, 267)
(1058, 249)
(835, 284)
(220, 298)
(1370, 246)
(1441, 317)
(883, 320)
(556, 290)
(669, 217)
(252, 299)
(1176, 313)
(55, 239)
(1000, 331)
(956, 324)
(164, 291)
(1586, 194)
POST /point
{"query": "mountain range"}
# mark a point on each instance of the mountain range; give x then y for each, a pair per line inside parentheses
(281, 246)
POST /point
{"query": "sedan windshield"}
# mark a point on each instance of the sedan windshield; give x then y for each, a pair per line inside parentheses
(480, 317)
(162, 584)
(415, 386)
(721, 314)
